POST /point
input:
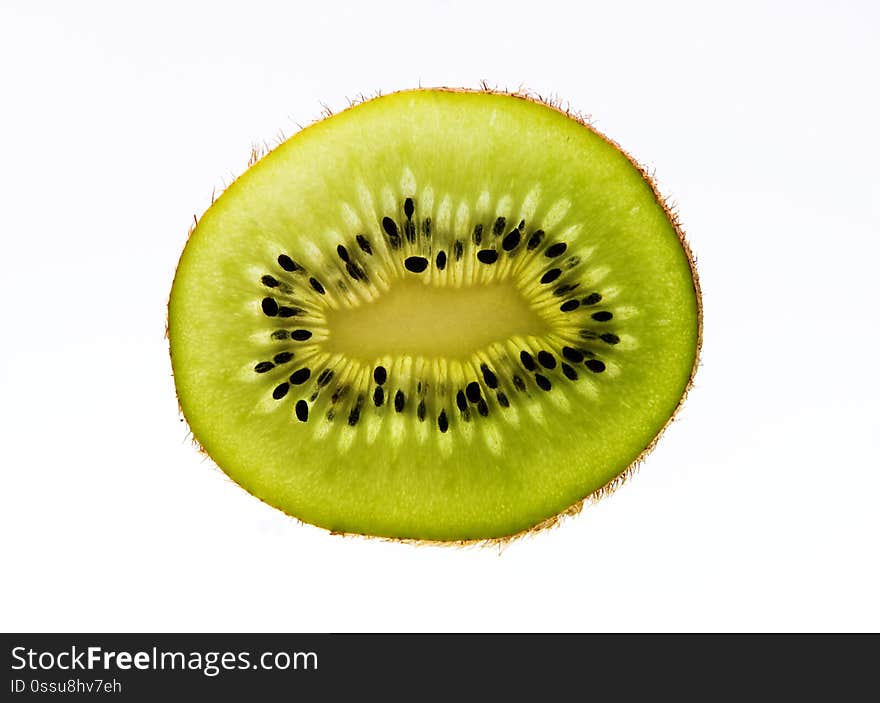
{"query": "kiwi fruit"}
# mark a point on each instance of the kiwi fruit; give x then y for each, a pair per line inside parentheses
(440, 314)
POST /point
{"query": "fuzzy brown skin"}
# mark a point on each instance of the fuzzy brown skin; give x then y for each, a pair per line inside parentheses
(258, 152)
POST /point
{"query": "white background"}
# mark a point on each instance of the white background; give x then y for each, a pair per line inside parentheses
(758, 510)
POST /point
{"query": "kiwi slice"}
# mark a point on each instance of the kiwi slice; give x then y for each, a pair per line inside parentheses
(437, 315)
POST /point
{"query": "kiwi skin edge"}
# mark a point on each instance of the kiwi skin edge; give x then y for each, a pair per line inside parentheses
(258, 153)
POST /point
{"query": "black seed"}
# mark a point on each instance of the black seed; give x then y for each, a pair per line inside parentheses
(511, 240)
(527, 360)
(300, 335)
(409, 230)
(589, 334)
(482, 408)
(498, 227)
(572, 261)
(441, 260)
(602, 316)
(285, 311)
(282, 357)
(356, 272)
(416, 264)
(572, 354)
(340, 393)
(355, 413)
(390, 227)
(302, 410)
(364, 244)
(502, 400)
(408, 207)
(399, 401)
(543, 382)
(270, 307)
(551, 276)
(316, 284)
(379, 375)
(426, 227)
(472, 390)
(592, 299)
(264, 366)
(393, 236)
(488, 376)
(343, 253)
(609, 338)
(521, 226)
(280, 334)
(459, 249)
(566, 288)
(546, 360)
(300, 376)
(518, 383)
(569, 372)
(478, 235)
(421, 411)
(595, 365)
(280, 391)
(555, 250)
(331, 413)
(461, 401)
(378, 397)
(570, 305)
(269, 281)
(442, 422)
(487, 256)
(536, 239)
(324, 377)
(288, 264)
(419, 388)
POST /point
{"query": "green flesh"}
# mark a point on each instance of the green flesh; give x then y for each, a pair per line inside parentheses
(464, 159)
